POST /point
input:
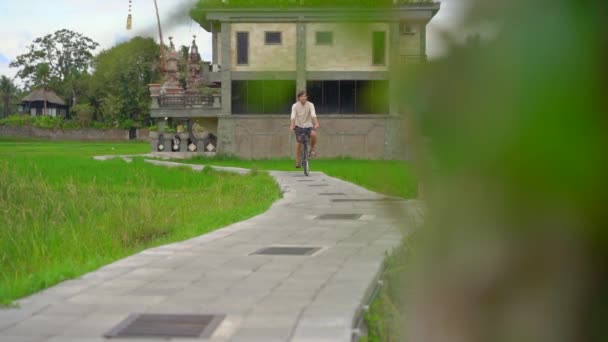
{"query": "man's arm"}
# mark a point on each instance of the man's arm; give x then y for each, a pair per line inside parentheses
(313, 114)
(293, 118)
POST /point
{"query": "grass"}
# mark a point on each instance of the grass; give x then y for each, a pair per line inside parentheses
(385, 319)
(393, 178)
(63, 214)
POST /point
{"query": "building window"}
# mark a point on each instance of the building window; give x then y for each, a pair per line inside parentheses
(273, 38)
(349, 96)
(324, 38)
(379, 48)
(242, 48)
(263, 96)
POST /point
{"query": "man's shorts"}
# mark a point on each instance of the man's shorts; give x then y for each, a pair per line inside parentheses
(301, 130)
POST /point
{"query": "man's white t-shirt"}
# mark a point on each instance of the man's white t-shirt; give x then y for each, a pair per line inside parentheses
(303, 114)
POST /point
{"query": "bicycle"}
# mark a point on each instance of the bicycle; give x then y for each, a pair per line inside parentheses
(304, 135)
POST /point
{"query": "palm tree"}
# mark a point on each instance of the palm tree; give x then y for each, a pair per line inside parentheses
(8, 91)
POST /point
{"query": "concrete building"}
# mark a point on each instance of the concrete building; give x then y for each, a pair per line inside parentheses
(343, 56)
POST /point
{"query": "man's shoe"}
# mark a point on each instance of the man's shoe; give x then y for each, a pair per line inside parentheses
(312, 154)
(298, 165)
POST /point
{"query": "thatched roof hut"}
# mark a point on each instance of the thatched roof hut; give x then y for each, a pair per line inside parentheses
(43, 102)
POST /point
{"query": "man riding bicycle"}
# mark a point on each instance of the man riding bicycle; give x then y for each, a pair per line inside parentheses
(304, 120)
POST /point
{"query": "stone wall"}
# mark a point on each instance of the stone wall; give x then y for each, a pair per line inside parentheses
(351, 49)
(84, 134)
(358, 136)
(262, 57)
(409, 44)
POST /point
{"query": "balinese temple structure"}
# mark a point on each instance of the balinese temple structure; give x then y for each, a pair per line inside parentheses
(194, 135)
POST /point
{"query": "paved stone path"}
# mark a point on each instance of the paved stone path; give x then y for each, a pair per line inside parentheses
(264, 297)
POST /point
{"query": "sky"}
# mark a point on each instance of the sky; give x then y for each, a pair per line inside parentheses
(104, 21)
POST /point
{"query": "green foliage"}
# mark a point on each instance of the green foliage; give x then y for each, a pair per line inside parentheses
(110, 108)
(126, 124)
(8, 95)
(385, 317)
(305, 3)
(206, 90)
(47, 122)
(70, 124)
(199, 11)
(55, 56)
(65, 214)
(101, 125)
(15, 120)
(119, 86)
(84, 114)
(53, 122)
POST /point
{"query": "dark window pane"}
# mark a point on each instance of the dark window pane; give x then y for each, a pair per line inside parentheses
(263, 96)
(378, 47)
(325, 38)
(239, 97)
(315, 95)
(348, 100)
(242, 48)
(270, 97)
(287, 91)
(255, 98)
(364, 97)
(380, 100)
(273, 38)
(331, 97)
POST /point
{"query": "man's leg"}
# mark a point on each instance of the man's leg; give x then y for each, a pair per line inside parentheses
(298, 151)
(313, 139)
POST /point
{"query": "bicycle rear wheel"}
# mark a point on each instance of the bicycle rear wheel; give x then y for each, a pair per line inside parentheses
(305, 157)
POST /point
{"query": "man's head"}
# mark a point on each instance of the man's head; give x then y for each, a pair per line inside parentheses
(302, 96)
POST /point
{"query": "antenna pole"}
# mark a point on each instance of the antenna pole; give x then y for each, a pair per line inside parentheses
(162, 44)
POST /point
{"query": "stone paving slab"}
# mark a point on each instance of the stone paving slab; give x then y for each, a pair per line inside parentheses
(265, 297)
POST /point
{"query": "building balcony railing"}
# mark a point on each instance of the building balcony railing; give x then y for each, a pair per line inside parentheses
(192, 101)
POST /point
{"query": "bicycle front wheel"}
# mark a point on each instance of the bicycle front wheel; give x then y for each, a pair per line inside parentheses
(305, 165)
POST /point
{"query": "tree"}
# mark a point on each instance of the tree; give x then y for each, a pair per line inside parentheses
(66, 54)
(110, 108)
(84, 114)
(8, 93)
(121, 78)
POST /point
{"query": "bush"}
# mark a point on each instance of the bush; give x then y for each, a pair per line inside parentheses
(71, 124)
(83, 118)
(101, 125)
(47, 122)
(127, 124)
(15, 120)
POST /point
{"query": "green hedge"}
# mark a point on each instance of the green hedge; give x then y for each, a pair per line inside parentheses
(49, 122)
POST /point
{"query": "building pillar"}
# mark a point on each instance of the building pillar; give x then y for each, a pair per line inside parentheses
(394, 67)
(423, 42)
(161, 125)
(214, 45)
(300, 56)
(225, 36)
(225, 132)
